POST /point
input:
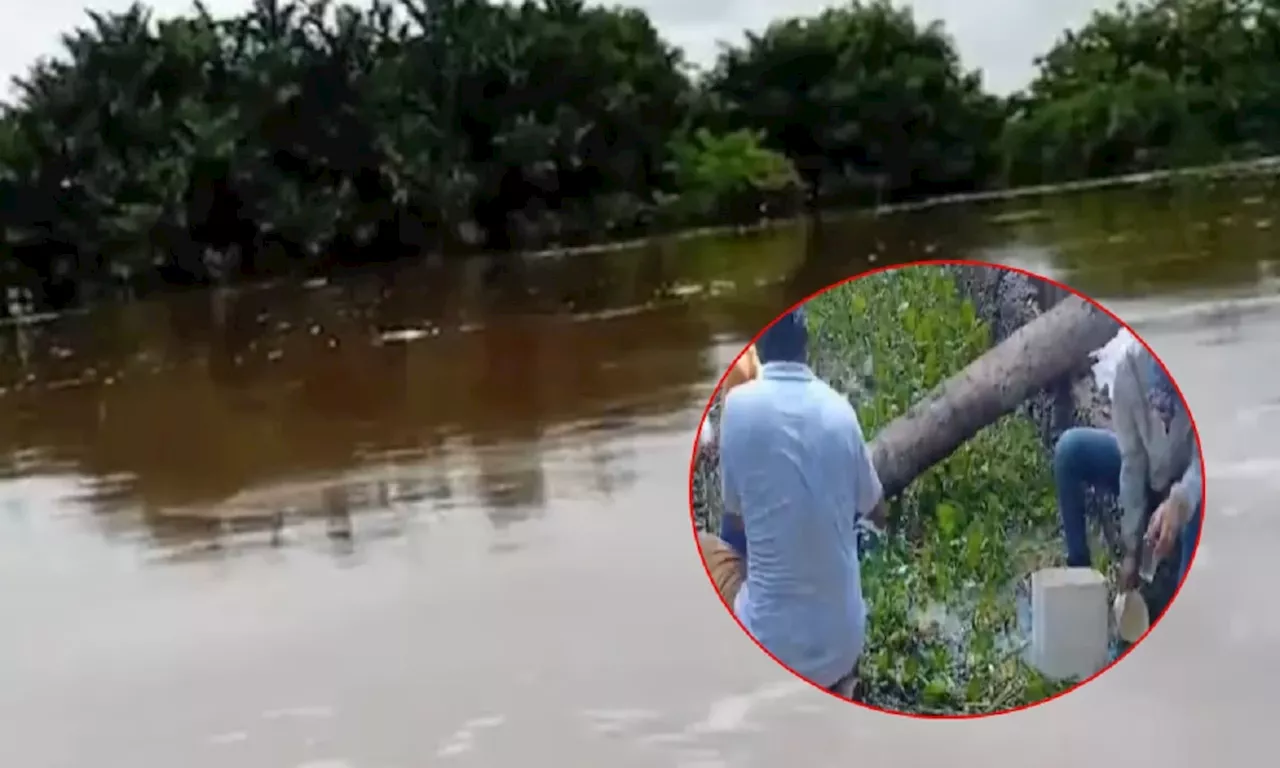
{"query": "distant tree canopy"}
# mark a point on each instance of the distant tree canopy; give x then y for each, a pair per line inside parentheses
(863, 93)
(303, 134)
(1151, 84)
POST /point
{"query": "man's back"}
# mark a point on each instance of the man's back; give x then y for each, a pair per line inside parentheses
(796, 468)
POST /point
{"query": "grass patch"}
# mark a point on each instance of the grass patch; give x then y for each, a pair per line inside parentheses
(943, 588)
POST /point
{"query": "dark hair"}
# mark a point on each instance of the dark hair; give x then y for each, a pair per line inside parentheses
(787, 340)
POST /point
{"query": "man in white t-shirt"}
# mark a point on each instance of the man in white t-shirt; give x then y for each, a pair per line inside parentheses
(796, 473)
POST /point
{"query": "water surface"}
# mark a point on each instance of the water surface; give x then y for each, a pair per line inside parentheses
(439, 513)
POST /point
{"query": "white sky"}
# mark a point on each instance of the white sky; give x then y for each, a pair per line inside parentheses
(999, 36)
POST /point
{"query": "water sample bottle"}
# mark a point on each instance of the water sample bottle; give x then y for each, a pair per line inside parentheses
(1148, 561)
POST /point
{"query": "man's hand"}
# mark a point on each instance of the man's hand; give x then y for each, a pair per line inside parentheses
(1128, 572)
(1166, 523)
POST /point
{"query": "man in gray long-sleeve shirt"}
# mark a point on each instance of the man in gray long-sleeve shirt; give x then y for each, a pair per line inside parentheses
(1149, 459)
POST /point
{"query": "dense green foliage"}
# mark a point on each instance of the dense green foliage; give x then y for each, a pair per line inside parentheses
(1151, 84)
(942, 588)
(862, 95)
(302, 134)
(718, 173)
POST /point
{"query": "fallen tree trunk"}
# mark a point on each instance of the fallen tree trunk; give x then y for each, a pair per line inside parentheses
(995, 384)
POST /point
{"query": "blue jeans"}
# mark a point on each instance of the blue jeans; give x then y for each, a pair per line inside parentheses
(1084, 458)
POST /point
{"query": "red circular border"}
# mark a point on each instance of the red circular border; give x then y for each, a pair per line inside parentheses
(951, 262)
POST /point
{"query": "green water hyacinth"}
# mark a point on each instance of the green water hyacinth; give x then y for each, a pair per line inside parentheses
(944, 588)
(947, 586)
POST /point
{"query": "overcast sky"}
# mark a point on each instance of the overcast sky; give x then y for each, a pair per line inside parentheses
(999, 36)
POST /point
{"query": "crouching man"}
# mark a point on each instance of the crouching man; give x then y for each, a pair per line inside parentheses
(1149, 460)
(796, 474)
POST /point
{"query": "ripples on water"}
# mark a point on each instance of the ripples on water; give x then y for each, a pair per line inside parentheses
(208, 420)
(219, 416)
(479, 475)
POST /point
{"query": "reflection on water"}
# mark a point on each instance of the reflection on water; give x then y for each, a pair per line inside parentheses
(1202, 237)
(257, 419)
(345, 411)
(244, 414)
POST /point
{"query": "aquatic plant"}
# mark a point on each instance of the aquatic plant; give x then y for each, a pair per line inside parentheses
(943, 588)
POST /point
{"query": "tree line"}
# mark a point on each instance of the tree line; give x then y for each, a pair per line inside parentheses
(303, 135)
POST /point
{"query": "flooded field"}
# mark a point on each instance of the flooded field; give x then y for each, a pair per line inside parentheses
(439, 515)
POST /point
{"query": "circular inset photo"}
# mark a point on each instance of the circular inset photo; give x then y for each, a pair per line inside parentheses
(947, 489)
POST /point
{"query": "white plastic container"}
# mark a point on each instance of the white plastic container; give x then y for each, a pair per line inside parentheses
(1069, 623)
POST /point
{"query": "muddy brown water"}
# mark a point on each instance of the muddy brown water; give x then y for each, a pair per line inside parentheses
(438, 515)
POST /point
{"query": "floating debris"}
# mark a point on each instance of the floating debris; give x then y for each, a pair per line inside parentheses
(403, 335)
(1018, 217)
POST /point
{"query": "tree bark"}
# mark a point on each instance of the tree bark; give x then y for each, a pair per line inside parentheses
(1033, 357)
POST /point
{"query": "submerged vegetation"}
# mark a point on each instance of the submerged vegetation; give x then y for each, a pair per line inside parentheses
(302, 135)
(943, 588)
